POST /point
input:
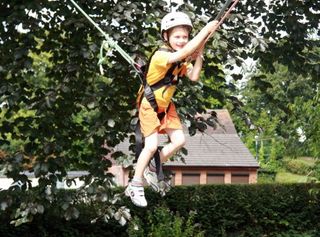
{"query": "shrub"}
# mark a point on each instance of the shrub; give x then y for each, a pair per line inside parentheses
(162, 222)
(270, 210)
(297, 166)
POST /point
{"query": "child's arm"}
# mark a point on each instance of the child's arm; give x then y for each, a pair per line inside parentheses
(193, 44)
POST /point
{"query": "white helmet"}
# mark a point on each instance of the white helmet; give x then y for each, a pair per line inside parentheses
(173, 19)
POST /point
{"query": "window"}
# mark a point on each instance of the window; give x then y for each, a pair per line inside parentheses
(215, 178)
(190, 178)
(240, 178)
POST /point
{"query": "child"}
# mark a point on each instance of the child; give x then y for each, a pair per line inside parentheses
(175, 31)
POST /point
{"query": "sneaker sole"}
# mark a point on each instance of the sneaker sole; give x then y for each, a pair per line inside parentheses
(153, 185)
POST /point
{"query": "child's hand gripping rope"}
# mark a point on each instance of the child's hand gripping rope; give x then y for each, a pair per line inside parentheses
(218, 20)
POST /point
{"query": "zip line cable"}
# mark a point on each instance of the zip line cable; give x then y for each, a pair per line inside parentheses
(224, 7)
(222, 15)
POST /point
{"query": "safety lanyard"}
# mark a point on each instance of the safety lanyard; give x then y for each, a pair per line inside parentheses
(109, 42)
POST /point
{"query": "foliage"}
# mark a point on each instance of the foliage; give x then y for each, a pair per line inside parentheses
(162, 222)
(281, 107)
(271, 210)
(299, 166)
(309, 111)
(58, 113)
(292, 33)
(284, 84)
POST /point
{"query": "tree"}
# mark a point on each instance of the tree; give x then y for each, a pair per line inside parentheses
(65, 114)
(75, 115)
(281, 108)
(287, 78)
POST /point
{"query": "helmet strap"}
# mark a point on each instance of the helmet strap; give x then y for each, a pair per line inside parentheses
(166, 43)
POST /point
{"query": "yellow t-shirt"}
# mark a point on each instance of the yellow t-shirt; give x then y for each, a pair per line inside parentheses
(157, 70)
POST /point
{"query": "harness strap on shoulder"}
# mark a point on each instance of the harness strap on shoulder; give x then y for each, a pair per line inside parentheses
(168, 78)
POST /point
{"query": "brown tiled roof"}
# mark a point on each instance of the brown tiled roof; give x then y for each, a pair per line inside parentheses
(221, 147)
(216, 150)
(225, 125)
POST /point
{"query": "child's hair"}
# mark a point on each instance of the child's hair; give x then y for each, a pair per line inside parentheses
(182, 26)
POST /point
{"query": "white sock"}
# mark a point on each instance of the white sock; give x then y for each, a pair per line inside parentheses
(136, 181)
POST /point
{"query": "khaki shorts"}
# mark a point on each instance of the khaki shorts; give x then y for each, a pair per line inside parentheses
(150, 123)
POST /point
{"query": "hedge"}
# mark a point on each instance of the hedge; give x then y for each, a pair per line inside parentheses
(220, 210)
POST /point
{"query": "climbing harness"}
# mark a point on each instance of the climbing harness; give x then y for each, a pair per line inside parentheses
(147, 91)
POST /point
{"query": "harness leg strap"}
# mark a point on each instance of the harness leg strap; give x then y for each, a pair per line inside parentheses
(159, 169)
(139, 146)
(139, 140)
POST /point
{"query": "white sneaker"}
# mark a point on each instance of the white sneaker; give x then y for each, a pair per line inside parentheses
(152, 179)
(136, 193)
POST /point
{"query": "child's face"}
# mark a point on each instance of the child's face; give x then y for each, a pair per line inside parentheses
(178, 37)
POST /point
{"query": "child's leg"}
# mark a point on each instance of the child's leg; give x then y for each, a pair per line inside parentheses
(150, 147)
(177, 140)
(135, 188)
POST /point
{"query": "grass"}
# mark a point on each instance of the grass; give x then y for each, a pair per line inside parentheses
(307, 160)
(286, 177)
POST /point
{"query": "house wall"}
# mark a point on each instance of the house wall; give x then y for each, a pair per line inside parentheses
(198, 175)
(121, 175)
(181, 176)
(187, 176)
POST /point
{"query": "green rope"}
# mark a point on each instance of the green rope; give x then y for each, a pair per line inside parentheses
(109, 42)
